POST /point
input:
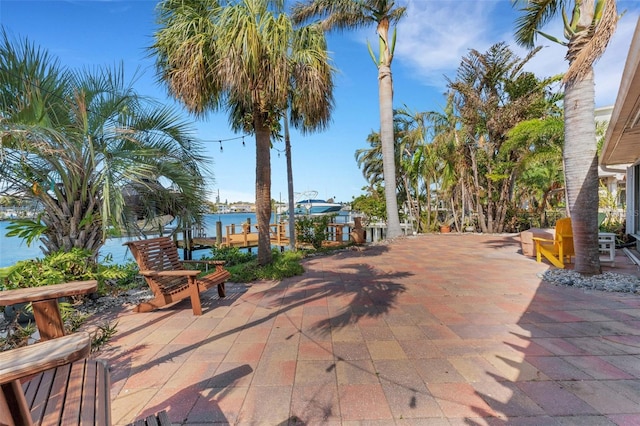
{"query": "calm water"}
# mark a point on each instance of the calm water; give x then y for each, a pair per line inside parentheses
(13, 249)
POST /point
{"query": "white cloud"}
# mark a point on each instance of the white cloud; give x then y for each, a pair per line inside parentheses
(608, 70)
(435, 35)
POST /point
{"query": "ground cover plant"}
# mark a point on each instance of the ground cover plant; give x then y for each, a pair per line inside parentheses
(244, 267)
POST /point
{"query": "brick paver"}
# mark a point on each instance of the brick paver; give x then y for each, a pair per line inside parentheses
(425, 330)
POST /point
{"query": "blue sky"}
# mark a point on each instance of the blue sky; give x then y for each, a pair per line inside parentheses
(432, 39)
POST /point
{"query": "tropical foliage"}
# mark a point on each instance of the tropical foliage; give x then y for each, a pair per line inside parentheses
(588, 27)
(476, 162)
(492, 94)
(246, 58)
(78, 142)
(65, 266)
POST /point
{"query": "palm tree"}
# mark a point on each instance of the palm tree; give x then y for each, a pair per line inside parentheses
(246, 58)
(588, 29)
(75, 141)
(492, 94)
(342, 14)
(540, 171)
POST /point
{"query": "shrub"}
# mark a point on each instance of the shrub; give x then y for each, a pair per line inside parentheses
(231, 255)
(313, 229)
(63, 266)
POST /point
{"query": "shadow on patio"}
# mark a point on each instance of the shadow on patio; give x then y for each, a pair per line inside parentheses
(454, 329)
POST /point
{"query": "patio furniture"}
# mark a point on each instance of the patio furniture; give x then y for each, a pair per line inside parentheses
(527, 245)
(167, 277)
(560, 248)
(607, 247)
(52, 382)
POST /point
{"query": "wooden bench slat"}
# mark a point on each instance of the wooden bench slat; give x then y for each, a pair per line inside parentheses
(74, 395)
(103, 386)
(55, 401)
(89, 399)
(39, 394)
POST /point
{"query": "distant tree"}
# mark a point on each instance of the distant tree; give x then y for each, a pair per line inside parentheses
(247, 58)
(351, 14)
(76, 141)
(588, 27)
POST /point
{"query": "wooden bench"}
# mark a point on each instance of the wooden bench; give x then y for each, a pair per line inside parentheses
(169, 281)
(52, 382)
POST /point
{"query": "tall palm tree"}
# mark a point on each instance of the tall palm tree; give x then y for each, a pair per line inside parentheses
(588, 27)
(246, 58)
(349, 14)
(74, 141)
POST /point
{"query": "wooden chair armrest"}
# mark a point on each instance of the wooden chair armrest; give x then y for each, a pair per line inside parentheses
(205, 262)
(47, 292)
(540, 239)
(182, 273)
(27, 360)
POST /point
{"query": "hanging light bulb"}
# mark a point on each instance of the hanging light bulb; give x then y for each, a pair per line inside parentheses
(243, 141)
(220, 142)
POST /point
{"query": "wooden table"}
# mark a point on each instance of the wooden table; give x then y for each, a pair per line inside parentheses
(44, 300)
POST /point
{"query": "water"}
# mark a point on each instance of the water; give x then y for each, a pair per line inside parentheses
(13, 249)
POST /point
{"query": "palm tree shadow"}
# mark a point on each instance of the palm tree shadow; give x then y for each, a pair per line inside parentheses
(368, 292)
(208, 392)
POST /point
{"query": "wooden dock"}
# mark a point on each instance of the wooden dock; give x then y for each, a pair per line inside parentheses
(242, 236)
(243, 239)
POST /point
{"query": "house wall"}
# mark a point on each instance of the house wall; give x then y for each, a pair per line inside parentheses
(633, 201)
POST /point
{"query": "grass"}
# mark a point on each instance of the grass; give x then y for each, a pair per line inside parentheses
(284, 265)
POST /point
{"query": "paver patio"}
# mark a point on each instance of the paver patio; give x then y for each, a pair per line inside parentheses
(426, 330)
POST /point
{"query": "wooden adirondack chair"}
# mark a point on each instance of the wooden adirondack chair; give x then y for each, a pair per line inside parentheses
(165, 274)
(560, 248)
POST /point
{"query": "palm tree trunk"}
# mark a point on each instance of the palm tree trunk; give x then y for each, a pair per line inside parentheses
(581, 172)
(263, 188)
(385, 92)
(290, 192)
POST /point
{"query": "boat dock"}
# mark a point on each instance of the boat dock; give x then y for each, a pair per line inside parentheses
(240, 236)
(246, 235)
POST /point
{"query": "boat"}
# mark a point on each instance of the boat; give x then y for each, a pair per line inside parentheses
(310, 205)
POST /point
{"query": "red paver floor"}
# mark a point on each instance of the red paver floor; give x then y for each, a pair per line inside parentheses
(424, 330)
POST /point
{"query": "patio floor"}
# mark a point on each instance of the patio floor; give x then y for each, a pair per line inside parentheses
(427, 330)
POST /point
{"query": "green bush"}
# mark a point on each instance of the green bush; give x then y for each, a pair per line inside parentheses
(313, 229)
(60, 267)
(231, 255)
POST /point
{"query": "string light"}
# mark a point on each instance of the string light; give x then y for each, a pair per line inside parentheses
(145, 131)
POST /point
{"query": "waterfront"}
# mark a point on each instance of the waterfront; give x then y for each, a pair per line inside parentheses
(13, 249)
